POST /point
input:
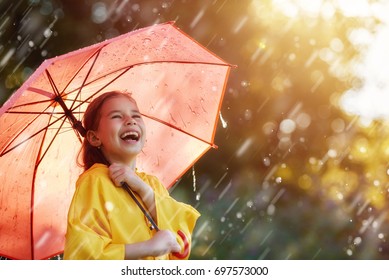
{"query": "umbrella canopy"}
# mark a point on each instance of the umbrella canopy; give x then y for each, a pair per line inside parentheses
(179, 87)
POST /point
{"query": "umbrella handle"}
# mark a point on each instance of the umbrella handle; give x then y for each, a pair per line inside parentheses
(185, 253)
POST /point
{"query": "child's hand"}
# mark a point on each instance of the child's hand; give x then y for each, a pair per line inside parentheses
(122, 173)
(164, 242)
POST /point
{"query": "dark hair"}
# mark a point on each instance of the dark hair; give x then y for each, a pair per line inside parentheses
(91, 154)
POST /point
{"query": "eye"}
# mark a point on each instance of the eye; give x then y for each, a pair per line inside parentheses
(116, 116)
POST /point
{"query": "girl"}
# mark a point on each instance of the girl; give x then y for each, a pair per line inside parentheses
(103, 221)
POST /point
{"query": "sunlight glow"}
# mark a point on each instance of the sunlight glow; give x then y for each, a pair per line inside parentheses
(370, 99)
(324, 8)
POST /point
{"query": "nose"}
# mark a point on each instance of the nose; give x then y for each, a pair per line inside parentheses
(130, 121)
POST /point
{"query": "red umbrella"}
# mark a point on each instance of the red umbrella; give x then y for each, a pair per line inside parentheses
(179, 87)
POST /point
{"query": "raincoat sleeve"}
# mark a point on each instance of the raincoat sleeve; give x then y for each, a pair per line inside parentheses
(88, 234)
(173, 215)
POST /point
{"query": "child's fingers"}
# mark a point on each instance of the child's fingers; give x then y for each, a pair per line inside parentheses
(117, 174)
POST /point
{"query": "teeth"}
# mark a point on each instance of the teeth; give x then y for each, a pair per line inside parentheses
(131, 134)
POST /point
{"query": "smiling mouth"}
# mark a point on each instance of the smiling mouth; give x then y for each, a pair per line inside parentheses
(130, 136)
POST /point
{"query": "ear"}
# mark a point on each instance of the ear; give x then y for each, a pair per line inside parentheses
(93, 139)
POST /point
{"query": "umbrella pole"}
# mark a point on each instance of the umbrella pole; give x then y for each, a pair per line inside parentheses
(149, 218)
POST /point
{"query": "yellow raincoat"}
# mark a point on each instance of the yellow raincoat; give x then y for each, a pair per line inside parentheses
(103, 217)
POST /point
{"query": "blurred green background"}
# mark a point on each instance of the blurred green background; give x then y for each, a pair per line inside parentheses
(301, 169)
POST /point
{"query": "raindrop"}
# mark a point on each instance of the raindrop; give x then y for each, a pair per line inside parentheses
(194, 179)
(99, 12)
(250, 203)
(266, 161)
(222, 219)
(136, 7)
(337, 45)
(224, 123)
(278, 180)
(287, 126)
(271, 209)
(248, 114)
(292, 57)
(245, 84)
(47, 8)
(31, 44)
(43, 239)
(240, 24)
(7, 57)
(326, 55)
(338, 125)
(349, 252)
(269, 127)
(357, 240)
(146, 40)
(244, 147)
(239, 215)
(332, 153)
(109, 206)
(303, 120)
(47, 33)
(197, 18)
(198, 196)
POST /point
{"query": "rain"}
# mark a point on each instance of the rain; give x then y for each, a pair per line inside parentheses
(301, 165)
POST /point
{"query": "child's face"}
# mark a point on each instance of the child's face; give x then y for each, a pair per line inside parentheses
(121, 130)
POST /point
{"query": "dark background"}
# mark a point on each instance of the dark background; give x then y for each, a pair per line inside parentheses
(294, 176)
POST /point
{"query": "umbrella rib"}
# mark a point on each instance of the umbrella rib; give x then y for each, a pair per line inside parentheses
(107, 84)
(96, 55)
(178, 129)
(34, 113)
(6, 150)
(39, 159)
(76, 124)
(50, 143)
(30, 103)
